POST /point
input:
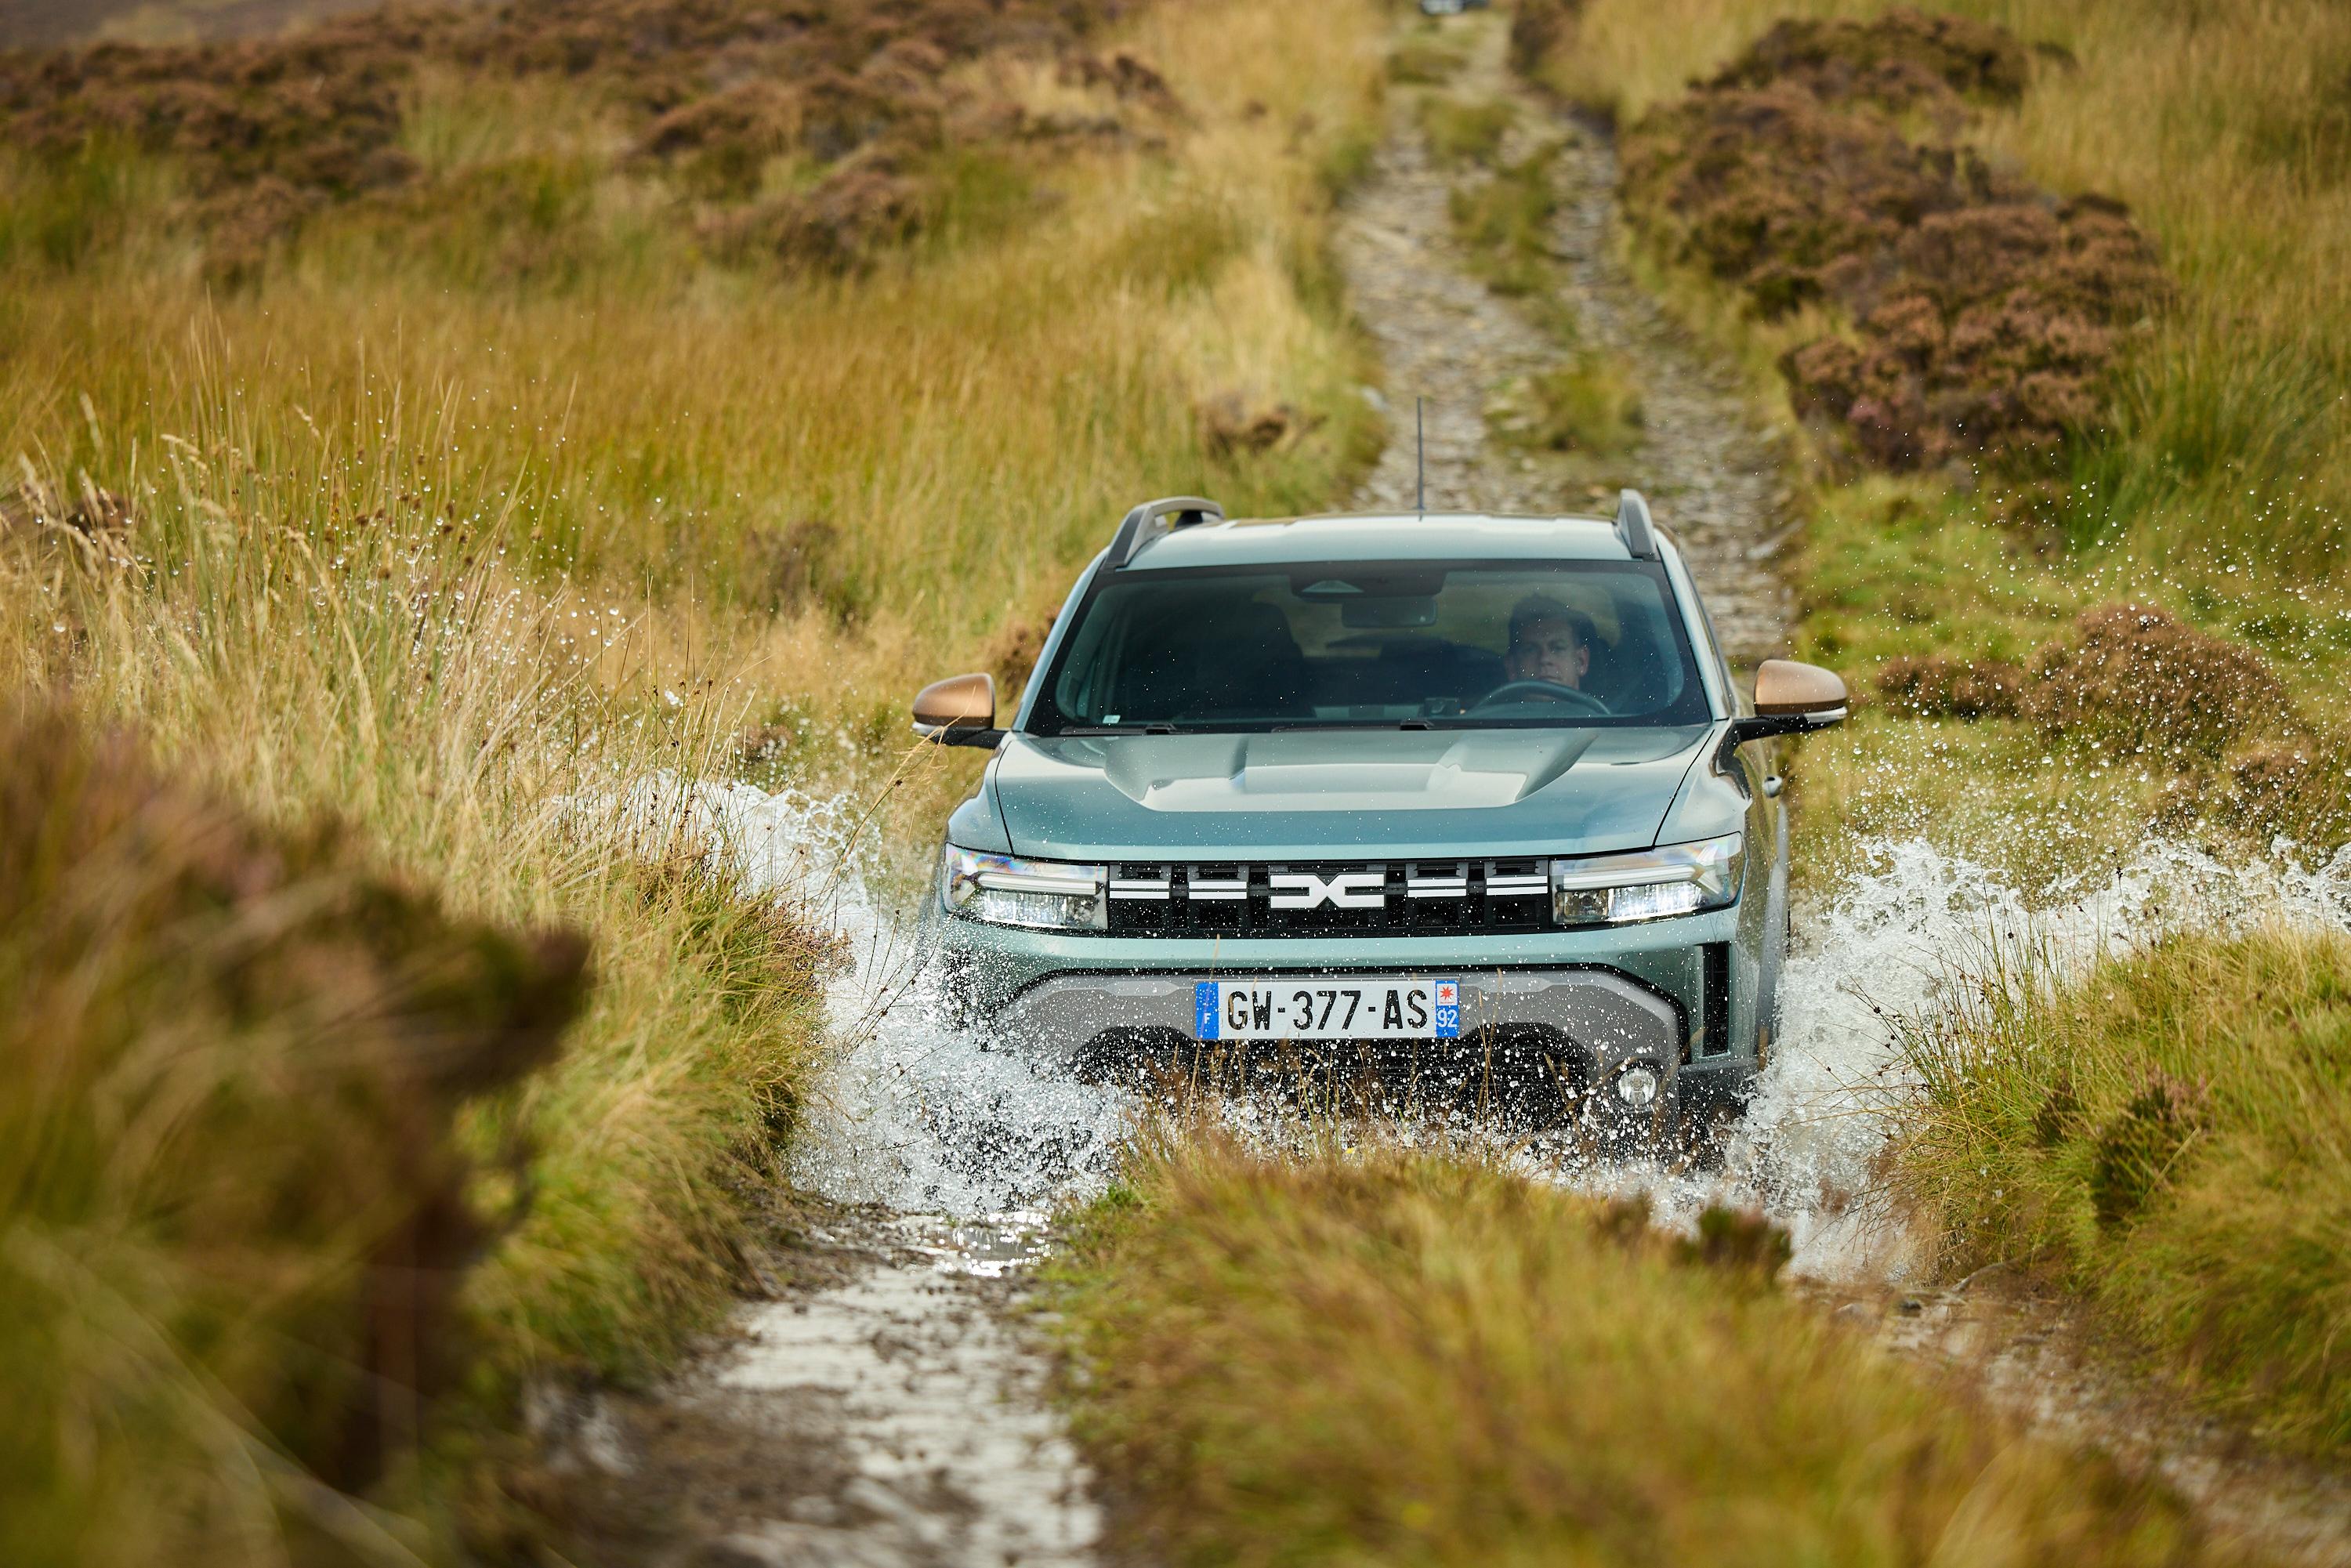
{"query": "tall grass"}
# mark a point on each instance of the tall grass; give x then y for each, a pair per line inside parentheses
(969, 420)
(2171, 1135)
(1392, 1357)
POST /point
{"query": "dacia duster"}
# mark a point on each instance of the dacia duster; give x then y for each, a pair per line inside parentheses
(1453, 783)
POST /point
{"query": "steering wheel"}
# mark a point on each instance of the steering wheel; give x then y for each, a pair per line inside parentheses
(1549, 690)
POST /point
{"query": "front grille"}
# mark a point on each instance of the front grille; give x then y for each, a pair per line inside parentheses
(1210, 898)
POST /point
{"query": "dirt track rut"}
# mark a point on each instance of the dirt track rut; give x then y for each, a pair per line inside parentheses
(1710, 473)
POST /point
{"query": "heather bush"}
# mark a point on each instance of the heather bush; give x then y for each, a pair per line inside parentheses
(1981, 316)
(2135, 679)
(1933, 686)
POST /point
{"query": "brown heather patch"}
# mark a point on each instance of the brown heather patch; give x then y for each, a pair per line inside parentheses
(2300, 791)
(1901, 59)
(710, 91)
(2136, 680)
(1933, 686)
(1983, 316)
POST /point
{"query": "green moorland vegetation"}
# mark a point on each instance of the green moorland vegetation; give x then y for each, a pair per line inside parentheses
(422, 435)
(1381, 1356)
(2044, 296)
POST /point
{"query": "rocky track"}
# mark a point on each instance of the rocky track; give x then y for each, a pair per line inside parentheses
(881, 1407)
(1711, 475)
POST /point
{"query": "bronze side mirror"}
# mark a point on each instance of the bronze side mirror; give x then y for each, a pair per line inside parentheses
(1790, 699)
(1783, 687)
(958, 711)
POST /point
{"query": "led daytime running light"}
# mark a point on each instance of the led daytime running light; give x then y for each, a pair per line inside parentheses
(1647, 884)
(1003, 890)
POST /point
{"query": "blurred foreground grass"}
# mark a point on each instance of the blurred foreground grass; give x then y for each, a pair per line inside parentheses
(1402, 1357)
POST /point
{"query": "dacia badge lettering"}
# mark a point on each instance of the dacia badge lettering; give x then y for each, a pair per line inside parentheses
(1476, 785)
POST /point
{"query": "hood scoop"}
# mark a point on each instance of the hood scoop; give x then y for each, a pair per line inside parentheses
(1341, 770)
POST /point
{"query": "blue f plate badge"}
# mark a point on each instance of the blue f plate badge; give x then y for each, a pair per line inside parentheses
(1339, 1007)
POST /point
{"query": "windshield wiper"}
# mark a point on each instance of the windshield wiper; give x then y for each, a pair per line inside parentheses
(1090, 730)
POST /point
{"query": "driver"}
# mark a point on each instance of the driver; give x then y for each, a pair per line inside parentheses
(1549, 642)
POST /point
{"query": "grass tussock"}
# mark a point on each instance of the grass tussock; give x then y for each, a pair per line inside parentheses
(2171, 1134)
(236, 1193)
(1504, 221)
(1465, 130)
(1393, 1357)
(1590, 404)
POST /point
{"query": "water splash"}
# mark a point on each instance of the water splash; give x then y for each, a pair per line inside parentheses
(915, 1113)
(1884, 944)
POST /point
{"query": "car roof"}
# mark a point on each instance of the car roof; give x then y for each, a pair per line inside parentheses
(1383, 536)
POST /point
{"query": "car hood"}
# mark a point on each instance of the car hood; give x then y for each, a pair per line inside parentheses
(1339, 794)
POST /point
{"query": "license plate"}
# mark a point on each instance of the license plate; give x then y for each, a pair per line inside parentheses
(1354, 1008)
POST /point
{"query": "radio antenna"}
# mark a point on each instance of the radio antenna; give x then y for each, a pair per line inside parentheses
(1419, 463)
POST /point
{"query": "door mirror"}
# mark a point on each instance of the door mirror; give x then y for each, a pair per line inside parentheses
(958, 711)
(1790, 698)
(1784, 688)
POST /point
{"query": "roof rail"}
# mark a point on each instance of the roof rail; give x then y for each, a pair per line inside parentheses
(1153, 518)
(1632, 527)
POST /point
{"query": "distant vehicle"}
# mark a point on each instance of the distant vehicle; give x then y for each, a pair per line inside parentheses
(1405, 780)
(1451, 8)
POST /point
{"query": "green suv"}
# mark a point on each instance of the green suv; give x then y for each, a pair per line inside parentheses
(1458, 787)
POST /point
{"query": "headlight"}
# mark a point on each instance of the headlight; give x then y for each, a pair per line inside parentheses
(1647, 884)
(1051, 894)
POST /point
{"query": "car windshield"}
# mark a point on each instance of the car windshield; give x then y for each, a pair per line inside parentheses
(1509, 643)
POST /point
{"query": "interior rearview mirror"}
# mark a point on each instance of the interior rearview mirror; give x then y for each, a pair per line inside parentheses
(958, 711)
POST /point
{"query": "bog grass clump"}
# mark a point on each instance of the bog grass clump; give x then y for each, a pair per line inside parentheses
(1590, 404)
(237, 1207)
(1390, 1356)
(2169, 1133)
(1504, 221)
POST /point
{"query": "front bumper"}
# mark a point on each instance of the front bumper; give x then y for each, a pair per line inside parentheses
(1605, 998)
